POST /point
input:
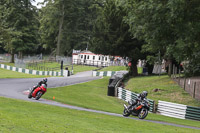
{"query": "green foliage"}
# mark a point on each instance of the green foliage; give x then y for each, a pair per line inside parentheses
(171, 27)
(192, 68)
(67, 24)
(18, 26)
(111, 27)
(111, 34)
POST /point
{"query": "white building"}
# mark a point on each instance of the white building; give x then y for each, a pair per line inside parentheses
(89, 58)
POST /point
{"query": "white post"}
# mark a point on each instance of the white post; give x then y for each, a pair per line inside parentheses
(65, 73)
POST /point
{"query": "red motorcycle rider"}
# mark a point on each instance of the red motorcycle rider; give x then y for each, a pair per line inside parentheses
(39, 90)
(44, 81)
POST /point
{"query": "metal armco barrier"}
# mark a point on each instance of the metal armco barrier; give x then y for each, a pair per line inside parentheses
(104, 73)
(178, 110)
(193, 113)
(107, 73)
(127, 95)
(34, 72)
(172, 109)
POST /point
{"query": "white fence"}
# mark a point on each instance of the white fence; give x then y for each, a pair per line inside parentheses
(35, 72)
(172, 109)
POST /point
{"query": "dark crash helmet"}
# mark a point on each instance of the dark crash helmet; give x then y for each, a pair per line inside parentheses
(144, 94)
(45, 80)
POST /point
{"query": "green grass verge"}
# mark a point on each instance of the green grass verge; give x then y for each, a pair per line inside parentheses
(12, 74)
(93, 95)
(44, 66)
(9, 64)
(56, 66)
(89, 95)
(81, 68)
(26, 117)
(169, 90)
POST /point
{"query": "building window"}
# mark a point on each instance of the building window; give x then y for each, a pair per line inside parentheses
(103, 58)
(93, 57)
(81, 56)
(88, 57)
(106, 59)
(99, 58)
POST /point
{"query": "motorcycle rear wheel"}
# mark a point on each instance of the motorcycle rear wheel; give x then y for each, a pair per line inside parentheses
(38, 95)
(143, 113)
(126, 113)
(30, 94)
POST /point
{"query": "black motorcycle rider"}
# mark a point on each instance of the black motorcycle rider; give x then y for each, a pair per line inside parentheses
(140, 98)
(44, 81)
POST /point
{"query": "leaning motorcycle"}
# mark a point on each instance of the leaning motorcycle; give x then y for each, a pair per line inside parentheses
(140, 109)
(38, 92)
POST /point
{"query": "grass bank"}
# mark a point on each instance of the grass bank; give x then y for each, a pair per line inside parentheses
(81, 68)
(21, 117)
(12, 74)
(93, 95)
(168, 90)
(56, 67)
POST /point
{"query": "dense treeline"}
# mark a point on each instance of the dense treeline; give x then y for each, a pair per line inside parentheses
(18, 26)
(148, 29)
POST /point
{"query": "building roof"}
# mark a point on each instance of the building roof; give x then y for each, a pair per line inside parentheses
(87, 52)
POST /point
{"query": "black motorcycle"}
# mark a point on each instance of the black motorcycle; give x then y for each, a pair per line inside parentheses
(140, 109)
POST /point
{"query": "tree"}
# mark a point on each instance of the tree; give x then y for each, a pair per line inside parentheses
(20, 25)
(66, 24)
(168, 26)
(49, 23)
(112, 37)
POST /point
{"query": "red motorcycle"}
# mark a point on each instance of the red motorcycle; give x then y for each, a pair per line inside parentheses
(38, 92)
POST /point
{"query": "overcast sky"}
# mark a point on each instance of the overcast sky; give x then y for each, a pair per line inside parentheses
(35, 3)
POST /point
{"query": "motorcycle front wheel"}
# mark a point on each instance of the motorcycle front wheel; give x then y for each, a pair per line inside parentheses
(126, 113)
(143, 113)
(38, 95)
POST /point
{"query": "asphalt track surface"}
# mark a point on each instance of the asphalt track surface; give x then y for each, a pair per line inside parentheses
(18, 89)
